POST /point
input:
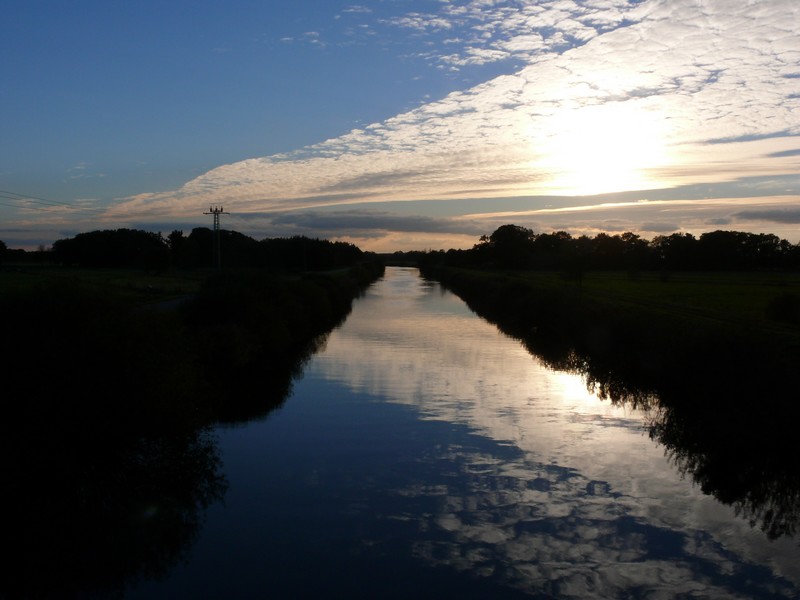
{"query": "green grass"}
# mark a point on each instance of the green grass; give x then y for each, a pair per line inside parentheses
(740, 299)
(135, 285)
(693, 336)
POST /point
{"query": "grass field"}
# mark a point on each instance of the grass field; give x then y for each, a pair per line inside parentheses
(741, 299)
(133, 284)
(738, 298)
(714, 338)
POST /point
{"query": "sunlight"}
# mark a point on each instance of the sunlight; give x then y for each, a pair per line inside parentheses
(604, 148)
(572, 388)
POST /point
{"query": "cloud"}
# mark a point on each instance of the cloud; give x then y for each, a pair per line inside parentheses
(790, 216)
(359, 221)
(785, 153)
(719, 221)
(612, 97)
(658, 227)
(421, 22)
(357, 8)
(312, 38)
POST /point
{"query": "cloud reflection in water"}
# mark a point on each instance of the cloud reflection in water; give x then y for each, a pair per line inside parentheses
(582, 503)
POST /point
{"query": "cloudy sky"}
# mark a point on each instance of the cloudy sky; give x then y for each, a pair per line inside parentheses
(399, 124)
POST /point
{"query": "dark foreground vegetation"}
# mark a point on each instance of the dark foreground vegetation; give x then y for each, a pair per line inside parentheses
(712, 355)
(176, 344)
(112, 380)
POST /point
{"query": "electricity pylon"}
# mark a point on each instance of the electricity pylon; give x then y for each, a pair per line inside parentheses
(216, 211)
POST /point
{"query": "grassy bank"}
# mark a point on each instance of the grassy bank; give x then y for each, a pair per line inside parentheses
(746, 298)
(702, 354)
(110, 347)
(109, 392)
(709, 332)
(134, 285)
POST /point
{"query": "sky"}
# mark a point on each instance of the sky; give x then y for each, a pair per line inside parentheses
(399, 124)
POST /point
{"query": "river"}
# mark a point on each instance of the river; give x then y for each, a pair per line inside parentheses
(423, 453)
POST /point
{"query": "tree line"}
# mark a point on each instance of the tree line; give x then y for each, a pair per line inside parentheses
(515, 247)
(134, 248)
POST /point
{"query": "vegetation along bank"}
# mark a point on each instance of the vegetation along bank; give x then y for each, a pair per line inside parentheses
(119, 352)
(729, 330)
(707, 346)
(132, 348)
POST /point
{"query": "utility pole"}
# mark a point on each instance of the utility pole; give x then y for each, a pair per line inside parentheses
(216, 211)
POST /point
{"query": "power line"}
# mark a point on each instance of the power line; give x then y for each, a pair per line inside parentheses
(16, 196)
(8, 195)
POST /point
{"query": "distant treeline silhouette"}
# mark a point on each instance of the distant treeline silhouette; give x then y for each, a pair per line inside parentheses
(516, 247)
(134, 248)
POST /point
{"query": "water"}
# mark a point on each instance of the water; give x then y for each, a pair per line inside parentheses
(424, 453)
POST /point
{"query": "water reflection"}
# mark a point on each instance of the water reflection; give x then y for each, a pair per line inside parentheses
(84, 523)
(746, 459)
(570, 498)
(731, 431)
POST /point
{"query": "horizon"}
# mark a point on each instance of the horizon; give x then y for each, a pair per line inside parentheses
(405, 125)
(386, 252)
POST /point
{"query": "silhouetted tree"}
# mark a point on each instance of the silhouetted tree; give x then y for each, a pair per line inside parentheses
(176, 243)
(509, 246)
(130, 248)
(550, 249)
(722, 249)
(677, 251)
(299, 253)
(577, 257)
(765, 250)
(199, 248)
(512, 246)
(238, 250)
(607, 251)
(634, 252)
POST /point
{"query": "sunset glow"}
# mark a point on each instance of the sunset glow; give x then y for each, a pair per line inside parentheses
(398, 124)
(605, 148)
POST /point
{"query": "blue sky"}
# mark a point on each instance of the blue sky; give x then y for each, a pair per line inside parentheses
(400, 124)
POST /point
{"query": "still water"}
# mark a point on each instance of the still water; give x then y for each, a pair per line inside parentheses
(423, 453)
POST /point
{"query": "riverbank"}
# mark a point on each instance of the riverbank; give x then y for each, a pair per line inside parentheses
(109, 401)
(718, 334)
(704, 356)
(99, 345)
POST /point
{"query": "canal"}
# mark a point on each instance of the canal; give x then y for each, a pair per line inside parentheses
(423, 453)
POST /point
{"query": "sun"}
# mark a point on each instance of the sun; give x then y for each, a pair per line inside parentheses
(597, 149)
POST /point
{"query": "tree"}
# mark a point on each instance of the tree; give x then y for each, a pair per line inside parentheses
(608, 251)
(551, 249)
(675, 251)
(764, 250)
(722, 249)
(634, 251)
(511, 246)
(113, 248)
